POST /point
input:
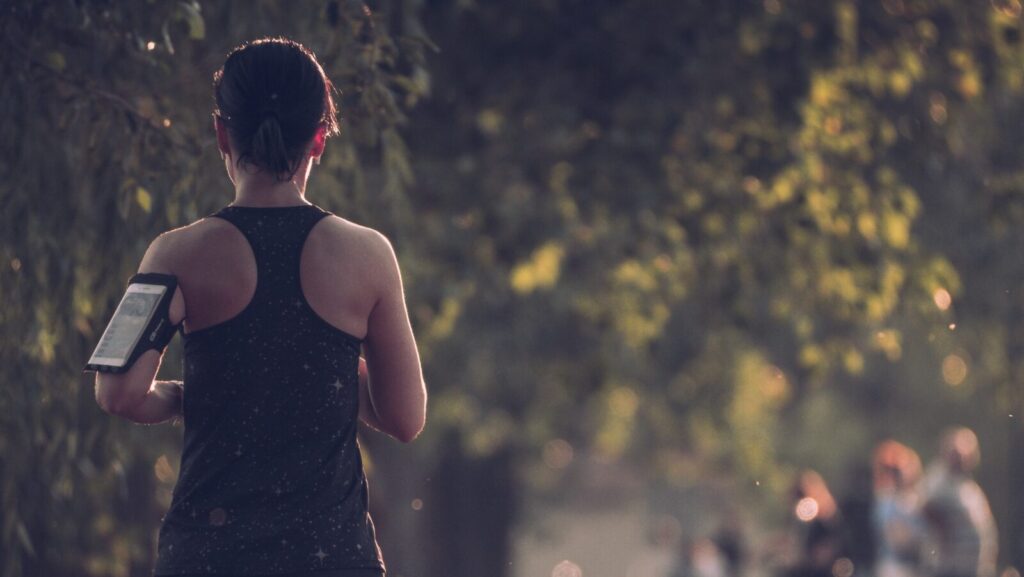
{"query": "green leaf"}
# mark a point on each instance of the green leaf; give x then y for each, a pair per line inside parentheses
(26, 542)
(196, 24)
(167, 39)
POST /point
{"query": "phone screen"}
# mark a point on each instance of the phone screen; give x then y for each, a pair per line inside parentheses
(126, 327)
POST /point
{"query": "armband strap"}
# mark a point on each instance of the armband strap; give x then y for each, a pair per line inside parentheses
(160, 331)
(125, 339)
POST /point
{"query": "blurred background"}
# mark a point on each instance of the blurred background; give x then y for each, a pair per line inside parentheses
(678, 271)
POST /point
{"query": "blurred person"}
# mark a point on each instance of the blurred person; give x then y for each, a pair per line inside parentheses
(897, 515)
(683, 565)
(822, 539)
(857, 506)
(707, 559)
(658, 558)
(276, 298)
(700, 558)
(963, 537)
(730, 543)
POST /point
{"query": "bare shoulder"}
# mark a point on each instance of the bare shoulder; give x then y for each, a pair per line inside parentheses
(361, 252)
(197, 232)
(175, 246)
(368, 243)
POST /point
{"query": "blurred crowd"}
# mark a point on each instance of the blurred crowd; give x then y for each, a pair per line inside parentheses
(914, 522)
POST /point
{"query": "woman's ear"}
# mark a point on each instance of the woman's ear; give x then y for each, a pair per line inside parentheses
(319, 141)
(223, 142)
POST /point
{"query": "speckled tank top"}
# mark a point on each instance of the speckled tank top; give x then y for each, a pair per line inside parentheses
(271, 479)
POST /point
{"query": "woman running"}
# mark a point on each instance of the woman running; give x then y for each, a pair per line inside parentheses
(277, 298)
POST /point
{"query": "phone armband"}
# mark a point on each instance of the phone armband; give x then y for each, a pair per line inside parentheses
(141, 322)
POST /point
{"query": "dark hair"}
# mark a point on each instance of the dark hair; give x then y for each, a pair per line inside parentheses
(272, 95)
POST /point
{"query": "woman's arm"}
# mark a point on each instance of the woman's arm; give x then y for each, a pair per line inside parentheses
(162, 403)
(134, 394)
(396, 392)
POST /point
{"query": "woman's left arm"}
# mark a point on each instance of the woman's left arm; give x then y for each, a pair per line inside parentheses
(162, 403)
(134, 394)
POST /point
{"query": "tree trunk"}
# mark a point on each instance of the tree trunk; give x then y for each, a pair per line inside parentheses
(474, 507)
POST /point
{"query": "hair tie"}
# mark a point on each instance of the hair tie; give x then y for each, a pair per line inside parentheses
(271, 107)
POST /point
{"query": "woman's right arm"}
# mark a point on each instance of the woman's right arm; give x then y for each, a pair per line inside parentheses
(395, 388)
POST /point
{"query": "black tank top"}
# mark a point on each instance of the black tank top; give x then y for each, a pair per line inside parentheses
(271, 479)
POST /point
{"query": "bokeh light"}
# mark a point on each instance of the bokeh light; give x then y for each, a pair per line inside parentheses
(567, 569)
(163, 470)
(942, 298)
(954, 369)
(558, 453)
(806, 509)
(843, 567)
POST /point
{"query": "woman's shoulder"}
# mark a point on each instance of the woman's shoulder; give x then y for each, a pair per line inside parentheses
(368, 241)
(202, 231)
(351, 250)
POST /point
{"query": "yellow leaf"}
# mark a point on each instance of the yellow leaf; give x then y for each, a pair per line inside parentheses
(56, 61)
(144, 199)
(541, 271)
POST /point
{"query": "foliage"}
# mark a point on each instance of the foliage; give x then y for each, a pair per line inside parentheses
(740, 215)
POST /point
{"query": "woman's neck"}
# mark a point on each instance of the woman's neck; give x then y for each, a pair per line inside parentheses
(269, 198)
(259, 189)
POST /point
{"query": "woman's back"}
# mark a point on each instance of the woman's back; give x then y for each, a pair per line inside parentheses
(271, 478)
(217, 271)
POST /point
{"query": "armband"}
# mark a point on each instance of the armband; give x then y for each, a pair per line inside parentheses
(140, 323)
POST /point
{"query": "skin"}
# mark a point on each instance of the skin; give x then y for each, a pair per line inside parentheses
(350, 277)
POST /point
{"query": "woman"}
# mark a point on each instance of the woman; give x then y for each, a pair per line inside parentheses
(897, 515)
(277, 297)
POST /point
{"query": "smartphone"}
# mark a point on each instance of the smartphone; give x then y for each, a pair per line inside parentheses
(127, 326)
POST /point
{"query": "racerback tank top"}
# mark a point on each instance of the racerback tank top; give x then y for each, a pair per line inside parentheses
(271, 479)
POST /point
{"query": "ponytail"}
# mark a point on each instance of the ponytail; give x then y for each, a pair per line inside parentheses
(268, 149)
